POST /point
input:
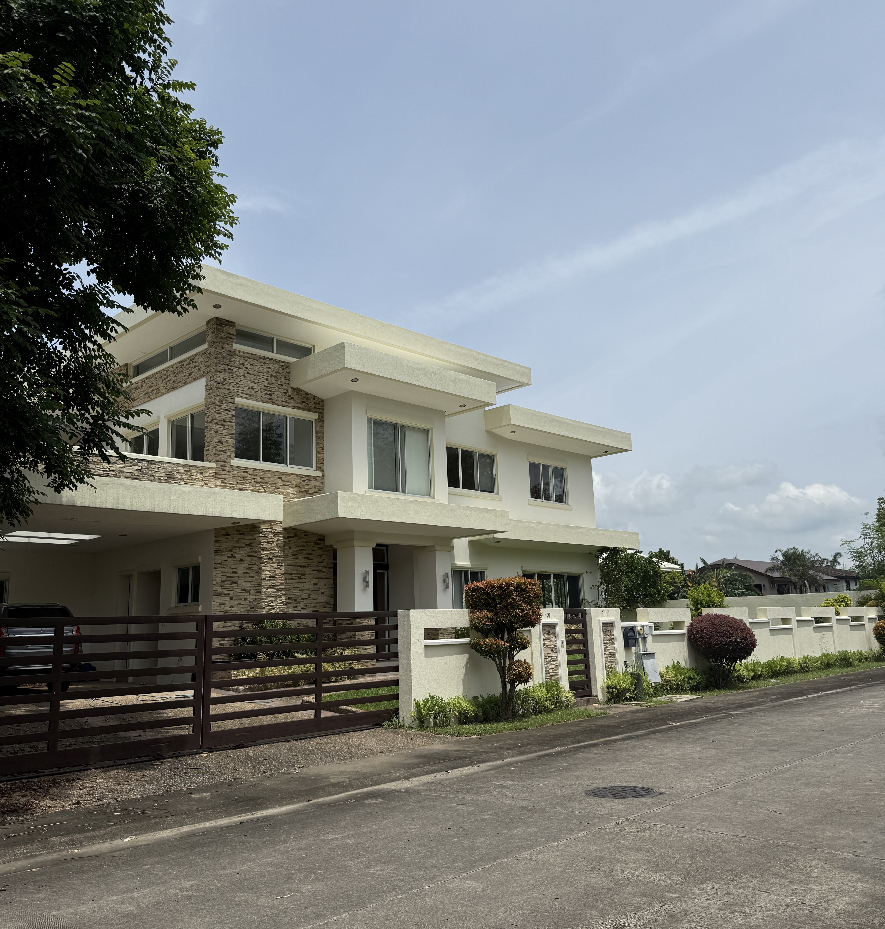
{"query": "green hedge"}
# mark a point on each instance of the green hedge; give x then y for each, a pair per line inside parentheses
(623, 686)
(436, 712)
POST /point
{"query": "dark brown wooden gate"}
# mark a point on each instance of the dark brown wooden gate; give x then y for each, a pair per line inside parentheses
(317, 672)
(144, 686)
(578, 654)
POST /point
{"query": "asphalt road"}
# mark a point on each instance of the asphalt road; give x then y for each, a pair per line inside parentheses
(768, 812)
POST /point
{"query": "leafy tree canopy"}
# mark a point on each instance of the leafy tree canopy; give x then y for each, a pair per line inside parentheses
(799, 566)
(628, 580)
(867, 551)
(108, 185)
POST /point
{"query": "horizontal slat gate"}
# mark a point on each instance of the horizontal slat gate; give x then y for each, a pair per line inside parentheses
(144, 686)
(318, 672)
(577, 650)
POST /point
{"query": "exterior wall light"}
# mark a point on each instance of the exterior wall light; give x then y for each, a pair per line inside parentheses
(446, 580)
(366, 579)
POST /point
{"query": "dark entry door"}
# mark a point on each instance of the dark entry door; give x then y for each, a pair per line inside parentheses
(381, 587)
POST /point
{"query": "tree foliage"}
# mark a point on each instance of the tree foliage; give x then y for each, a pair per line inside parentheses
(628, 580)
(867, 551)
(800, 567)
(722, 640)
(108, 185)
(704, 597)
(500, 609)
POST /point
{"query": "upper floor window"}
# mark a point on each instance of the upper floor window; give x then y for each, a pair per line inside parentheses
(170, 353)
(399, 458)
(187, 437)
(273, 438)
(146, 444)
(547, 482)
(188, 587)
(470, 470)
(461, 577)
(269, 343)
(559, 590)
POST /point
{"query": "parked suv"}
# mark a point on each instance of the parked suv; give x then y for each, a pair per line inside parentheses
(36, 657)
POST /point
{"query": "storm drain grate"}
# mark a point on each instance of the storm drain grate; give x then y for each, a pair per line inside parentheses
(622, 792)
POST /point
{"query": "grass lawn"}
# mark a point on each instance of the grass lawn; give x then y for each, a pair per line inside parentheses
(392, 704)
(527, 722)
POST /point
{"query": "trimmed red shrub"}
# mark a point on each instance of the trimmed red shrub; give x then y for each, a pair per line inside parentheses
(500, 608)
(879, 633)
(722, 640)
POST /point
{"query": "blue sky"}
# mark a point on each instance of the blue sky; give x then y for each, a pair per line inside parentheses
(672, 211)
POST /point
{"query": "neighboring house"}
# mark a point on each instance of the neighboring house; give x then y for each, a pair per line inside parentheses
(302, 457)
(836, 579)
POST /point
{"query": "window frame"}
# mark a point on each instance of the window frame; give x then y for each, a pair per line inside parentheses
(552, 465)
(458, 590)
(136, 436)
(190, 568)
(187, 413)
(266, 408)
(401, 472)
(168, 350)
(477, 452)
(274, 353)
(531, 573)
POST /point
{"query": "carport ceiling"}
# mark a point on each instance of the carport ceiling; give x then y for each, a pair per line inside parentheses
(115, 528)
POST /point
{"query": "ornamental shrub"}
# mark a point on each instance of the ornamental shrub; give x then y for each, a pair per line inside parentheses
(837, 601)
(542, 698)
(619, 686)
(723, 641)
(879, 633)
(500, 609)
(704, 597)
(678, 679)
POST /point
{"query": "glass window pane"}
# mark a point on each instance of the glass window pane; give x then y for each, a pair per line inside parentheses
(247, 434)
(273, 438)
(574, 591)
(535, 488)
(546, 582)
(195, 584)
(152, 442)
(150, 363)
(254, 340)
(178, 438)
(546, 483)
(187, 345)
(198, 436)
(136, 445)
(459, 579)
(417, 461)
(468, 469)
(382, 455)
(183, 585)
(300, 442)
(558, 485)
(559, 592)
(292, 349)
(486, 470)
(453, 466)
(477, 576)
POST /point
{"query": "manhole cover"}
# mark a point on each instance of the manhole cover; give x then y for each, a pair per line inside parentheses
(622, 792)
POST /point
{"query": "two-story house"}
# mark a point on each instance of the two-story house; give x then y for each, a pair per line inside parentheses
(302, 457)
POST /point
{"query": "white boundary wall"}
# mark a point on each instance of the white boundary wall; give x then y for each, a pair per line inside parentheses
(779, 632)
(449, 667)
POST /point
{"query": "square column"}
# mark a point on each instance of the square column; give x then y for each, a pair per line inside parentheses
(433, 577)
(354, 582)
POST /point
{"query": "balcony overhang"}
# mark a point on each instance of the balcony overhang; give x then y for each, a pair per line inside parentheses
(348, 366)
(390, 518)
(535, 428)
(124, 512)
(553, 537)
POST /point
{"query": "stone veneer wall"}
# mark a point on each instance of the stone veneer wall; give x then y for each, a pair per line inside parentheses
(609, 647)
(550, 648)
(257, 568)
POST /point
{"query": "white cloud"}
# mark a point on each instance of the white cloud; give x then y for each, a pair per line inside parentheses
(660, 494)
(261, 203)
(840, 164)
(795, 509)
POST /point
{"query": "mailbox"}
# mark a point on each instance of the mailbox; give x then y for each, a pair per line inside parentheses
(631, 637)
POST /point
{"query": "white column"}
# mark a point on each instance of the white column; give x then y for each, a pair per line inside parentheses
(433, 576)
(354, 576)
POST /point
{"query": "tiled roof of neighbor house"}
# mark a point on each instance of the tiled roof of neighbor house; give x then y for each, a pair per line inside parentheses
(761, 567)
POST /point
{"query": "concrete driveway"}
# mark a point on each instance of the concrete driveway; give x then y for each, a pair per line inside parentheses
(767, 811)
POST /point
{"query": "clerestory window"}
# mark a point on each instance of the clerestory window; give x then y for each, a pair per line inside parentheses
(269, 343)
(170, 353)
